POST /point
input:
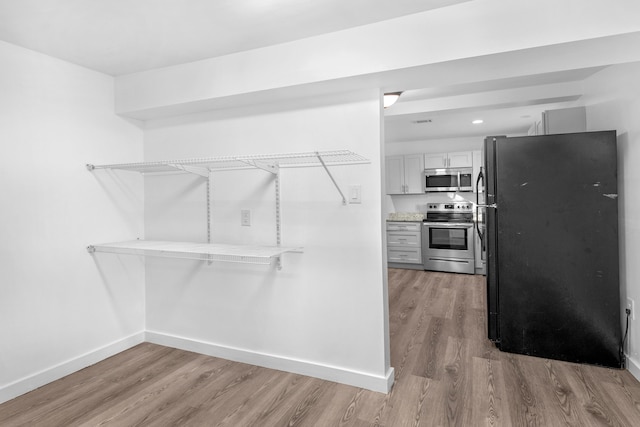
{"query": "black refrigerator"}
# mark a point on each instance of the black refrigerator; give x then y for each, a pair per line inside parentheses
(551, 238)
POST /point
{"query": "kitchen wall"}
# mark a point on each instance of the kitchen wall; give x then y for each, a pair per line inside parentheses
(393, 148)
(324, 314)
(613, 102)
(62, 309)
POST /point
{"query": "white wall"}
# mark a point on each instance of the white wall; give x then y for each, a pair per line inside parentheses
(324, 314)
(434, 146)
(613, 102)
(60, 308)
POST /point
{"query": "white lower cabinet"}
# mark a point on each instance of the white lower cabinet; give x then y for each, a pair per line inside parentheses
(408, 256)
(404, 243)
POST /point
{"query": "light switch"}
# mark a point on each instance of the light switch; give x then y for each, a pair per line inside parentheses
(355, 194)
(245, 217)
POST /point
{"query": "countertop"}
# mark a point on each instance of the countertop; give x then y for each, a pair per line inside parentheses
(406, 217)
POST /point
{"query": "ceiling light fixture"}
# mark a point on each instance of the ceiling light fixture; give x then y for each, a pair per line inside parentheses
(391, 98)
(477, 121)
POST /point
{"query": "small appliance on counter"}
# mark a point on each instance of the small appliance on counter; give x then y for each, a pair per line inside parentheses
(448, 238)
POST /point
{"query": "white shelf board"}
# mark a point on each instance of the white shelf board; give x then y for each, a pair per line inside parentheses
(198, 251)
(290, 160)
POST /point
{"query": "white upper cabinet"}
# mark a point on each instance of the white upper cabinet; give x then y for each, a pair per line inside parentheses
(404, 174)
(434, 161)
(565, 120)
(394, 174)
(459, 159)
(413, 168)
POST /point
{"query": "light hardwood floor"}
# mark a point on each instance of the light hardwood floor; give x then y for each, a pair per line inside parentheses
(447, 374)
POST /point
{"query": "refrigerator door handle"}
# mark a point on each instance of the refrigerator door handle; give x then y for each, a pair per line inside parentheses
(480, 178)
(480, 234)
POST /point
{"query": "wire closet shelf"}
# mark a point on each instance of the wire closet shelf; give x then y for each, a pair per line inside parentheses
(290, 160)
(205, 166)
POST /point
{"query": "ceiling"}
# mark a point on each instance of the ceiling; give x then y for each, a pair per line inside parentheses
(506, 106)
(126, 36)
(119, 37)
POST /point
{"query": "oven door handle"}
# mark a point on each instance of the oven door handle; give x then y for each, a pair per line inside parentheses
(447, 225)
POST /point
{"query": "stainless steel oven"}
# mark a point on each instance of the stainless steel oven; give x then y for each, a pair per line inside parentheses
(448, 238)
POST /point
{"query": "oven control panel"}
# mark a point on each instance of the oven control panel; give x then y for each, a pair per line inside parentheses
(450, 207)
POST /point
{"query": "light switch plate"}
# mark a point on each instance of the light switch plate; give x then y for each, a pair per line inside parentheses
(355, 194)
(245, 217)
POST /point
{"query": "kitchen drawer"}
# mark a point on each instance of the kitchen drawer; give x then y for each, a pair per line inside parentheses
(403, 238)
(404, 255)
(403, 226)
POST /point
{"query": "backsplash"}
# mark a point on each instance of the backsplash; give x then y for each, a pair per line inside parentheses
(410, 203)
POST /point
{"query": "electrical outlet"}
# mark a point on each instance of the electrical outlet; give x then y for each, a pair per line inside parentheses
(631, 307)
(245, 217)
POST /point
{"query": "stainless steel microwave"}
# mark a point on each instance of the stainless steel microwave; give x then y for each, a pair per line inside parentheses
(450, 179)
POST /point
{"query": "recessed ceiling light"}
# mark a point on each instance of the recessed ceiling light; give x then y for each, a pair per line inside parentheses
(477, 121)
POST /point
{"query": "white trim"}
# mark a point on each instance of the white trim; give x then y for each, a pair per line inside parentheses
(369, 381)
(32, 382)
(633, 367)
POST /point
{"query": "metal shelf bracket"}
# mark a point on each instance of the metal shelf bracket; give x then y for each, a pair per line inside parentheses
(269, 167)
(324, 165)
(191, 169)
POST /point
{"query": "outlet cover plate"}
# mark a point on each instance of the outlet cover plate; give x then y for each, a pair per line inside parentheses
(631, 306)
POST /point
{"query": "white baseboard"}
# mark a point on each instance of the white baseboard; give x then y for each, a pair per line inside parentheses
(633, 367)
(32, 382)
(365, 380)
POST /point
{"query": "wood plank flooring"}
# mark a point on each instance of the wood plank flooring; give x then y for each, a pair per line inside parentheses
(447, 374)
